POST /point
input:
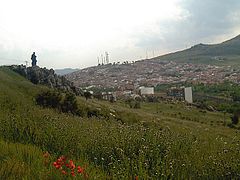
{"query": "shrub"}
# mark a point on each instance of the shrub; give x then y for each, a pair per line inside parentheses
(93, 112)
(49, 98)
(69, 104)
(54, 99)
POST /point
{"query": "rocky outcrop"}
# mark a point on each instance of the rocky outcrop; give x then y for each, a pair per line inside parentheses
(46, 77)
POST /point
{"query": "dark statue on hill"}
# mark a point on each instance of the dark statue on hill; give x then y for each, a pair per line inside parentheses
(34, 59)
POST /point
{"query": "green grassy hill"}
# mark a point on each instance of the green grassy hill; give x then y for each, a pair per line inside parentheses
(226, 53)
(158, 141)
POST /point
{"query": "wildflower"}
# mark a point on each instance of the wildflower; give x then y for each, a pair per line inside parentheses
(80, 169)
(54, 164)
(57, 166)
(64, 172)
(62, 165)
(73, 174)
(72, 165)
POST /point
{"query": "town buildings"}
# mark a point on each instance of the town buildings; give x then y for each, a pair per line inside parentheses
(127, 77)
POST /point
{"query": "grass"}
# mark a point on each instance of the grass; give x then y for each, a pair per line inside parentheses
(158, 141)
(19, 161)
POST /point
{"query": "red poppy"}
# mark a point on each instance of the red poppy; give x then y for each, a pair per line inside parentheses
(72, 173)
(80, 170)
(72, 165)
(55, 163)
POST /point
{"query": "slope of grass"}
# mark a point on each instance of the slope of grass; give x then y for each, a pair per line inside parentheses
(21, 161)
(151, 143)
(228, 52)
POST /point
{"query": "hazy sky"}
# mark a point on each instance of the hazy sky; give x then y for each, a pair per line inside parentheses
(73, 33)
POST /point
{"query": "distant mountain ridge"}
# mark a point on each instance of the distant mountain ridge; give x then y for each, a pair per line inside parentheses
(225, 53)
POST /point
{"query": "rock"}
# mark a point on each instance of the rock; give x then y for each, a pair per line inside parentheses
(46, 77)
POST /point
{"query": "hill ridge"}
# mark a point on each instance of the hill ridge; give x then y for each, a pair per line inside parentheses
(229, 50)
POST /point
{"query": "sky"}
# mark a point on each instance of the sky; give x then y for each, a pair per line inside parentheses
(74, 33)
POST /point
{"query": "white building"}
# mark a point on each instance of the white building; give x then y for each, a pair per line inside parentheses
(188, 94)
(146, 90)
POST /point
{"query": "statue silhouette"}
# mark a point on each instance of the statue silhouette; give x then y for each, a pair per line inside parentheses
(34, 59)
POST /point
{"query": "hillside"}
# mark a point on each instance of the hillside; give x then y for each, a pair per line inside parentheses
(112, 141)
(202, 64)
(225, 53)
(65, 71)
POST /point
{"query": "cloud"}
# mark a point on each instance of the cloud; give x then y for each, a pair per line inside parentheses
(211, 18)
(74, 33)
(200, 21)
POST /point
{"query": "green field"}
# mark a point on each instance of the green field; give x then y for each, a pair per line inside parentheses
(158, 141)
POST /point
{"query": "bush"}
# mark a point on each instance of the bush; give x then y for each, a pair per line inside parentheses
(49, 98)
(54, 99)
(87, 95)
(235, 119)
(69, 104)
(93, 113)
